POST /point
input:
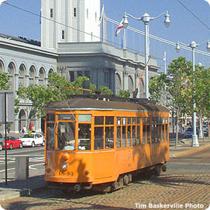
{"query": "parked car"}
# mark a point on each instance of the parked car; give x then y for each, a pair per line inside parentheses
(32, 139)
(188, 133)
(11, 143)
(205, 131)
(1, 143)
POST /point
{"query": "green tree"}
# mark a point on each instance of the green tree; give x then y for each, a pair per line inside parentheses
(58, 89)
(157, 86)
(178, 85)
(105, 91)
(124, 94)
(4, 80)
(202, 94)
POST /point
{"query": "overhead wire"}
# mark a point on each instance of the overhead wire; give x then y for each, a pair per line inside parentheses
(194, 15)
(162, 40)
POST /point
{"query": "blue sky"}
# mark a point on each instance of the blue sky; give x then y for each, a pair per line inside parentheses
(184, 27)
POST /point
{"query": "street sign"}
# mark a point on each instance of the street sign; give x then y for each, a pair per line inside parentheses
(6, 103)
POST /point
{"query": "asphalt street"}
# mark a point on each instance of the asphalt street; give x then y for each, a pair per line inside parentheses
(36, 161)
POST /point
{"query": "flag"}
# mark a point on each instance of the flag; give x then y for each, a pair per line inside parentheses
(102, 15)
(119, 28)
(2, 1)
(208, 1)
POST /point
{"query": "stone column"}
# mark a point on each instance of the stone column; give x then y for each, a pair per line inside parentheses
(36, 80)
(16, 123)
(137, 83)
(26, 80)
(125, 79)
(16, 84)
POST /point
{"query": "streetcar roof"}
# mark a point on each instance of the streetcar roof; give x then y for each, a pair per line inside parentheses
(82, 103)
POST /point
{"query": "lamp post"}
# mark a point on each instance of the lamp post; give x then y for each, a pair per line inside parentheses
(146, 18)
(195, 143)
(193, 46)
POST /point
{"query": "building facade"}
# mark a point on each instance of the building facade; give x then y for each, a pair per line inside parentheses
(25, 64)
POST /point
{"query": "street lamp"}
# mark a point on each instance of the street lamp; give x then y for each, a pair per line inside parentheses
(195, 143)
(193, 46)
(146, 18)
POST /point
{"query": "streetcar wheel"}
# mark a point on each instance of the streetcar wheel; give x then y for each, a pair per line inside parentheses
(125, 180)
(157, 170)
(130, 177)
(120, 181)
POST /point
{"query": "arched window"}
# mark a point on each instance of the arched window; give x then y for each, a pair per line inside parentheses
(50, 71)
(1, 66)
(21, 120)
(32, 119)
(141, 87)
(32, 75)
(22, 73)
(117, 84)
(11, 72)
(130, 84)
(41, 76)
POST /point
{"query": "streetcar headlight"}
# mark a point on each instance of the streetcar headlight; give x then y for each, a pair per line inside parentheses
(64, 166)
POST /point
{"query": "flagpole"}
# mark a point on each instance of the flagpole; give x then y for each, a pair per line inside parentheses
(124, 37)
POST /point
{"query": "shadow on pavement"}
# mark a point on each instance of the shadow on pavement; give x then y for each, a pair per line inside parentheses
(30, 183)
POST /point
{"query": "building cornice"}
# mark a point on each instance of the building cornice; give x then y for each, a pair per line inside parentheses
(27, 47)
(98, 49)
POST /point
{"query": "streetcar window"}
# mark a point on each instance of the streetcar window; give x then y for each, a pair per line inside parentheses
(84, 137)
(66, 117)
(109, 137)
(148, 134)
(138, 135)
(123, 136)
(66, 136)
(84, 118)
(129, 120)
(118, 137)
(50, 136)
(50, 117)
(134, 139)
(129, 136)
(98, 139)
(162, 133)
(144, 141)
(134, 120)
(109, 121)
(118, 121)
(166, 132)
(154, 133)
(99, 120)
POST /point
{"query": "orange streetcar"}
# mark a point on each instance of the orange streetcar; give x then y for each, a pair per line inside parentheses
(101, 143)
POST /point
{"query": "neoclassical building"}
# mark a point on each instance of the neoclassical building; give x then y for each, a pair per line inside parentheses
(70, 53)
(26, 64)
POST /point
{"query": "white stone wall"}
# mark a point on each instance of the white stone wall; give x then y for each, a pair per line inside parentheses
(76, 19)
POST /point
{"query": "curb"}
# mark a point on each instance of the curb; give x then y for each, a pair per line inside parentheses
(10, 193)
(7, 194)
(176, 154)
